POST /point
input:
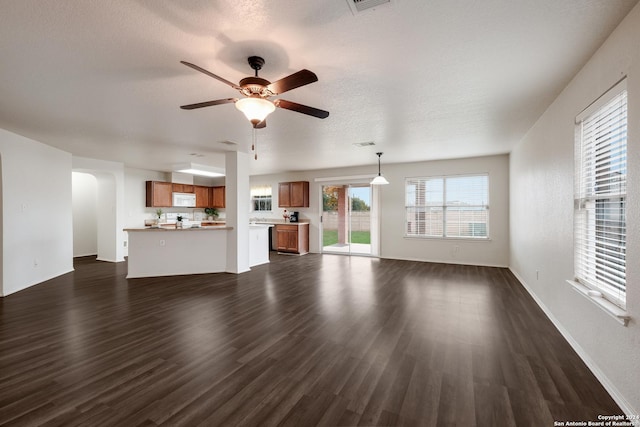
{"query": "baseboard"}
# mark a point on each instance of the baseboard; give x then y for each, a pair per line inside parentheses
(475, 264)
(108, 260)
(85, 255)
(593, 367)
(58, 274)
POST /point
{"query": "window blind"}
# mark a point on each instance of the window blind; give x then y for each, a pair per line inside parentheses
(600, 197)
(261, 198)
(451, 206)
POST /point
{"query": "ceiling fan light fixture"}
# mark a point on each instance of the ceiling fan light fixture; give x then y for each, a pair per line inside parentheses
(379, 180)
(255, 109)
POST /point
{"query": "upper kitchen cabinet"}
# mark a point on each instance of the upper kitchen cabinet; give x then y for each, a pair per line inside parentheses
(293, 194)
(183, 188)
(202, 196)
(159, 194)
(217, 197)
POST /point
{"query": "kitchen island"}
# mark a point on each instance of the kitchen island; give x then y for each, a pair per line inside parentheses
(175, 251)
(170, 251)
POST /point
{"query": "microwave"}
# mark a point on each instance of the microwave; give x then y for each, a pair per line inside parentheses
(184, 200)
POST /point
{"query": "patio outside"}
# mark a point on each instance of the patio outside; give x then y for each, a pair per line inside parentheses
(346, 222)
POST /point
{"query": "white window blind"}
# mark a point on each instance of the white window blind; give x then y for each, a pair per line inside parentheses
(450, 206)
(600, 200)
(261, 198)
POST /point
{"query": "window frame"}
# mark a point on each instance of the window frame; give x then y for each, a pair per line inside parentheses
(257, 198)
(592, 228)
(443, 207)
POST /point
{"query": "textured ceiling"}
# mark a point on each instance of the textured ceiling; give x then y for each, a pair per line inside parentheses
(422, 79)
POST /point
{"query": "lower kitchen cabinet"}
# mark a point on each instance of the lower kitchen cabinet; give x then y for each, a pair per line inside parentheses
(292, 238)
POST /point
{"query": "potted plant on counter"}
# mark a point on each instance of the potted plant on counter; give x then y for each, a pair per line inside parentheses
(158, 214)
(212, 213)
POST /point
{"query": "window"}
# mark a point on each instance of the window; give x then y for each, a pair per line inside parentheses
(261, 198)
(600, 195)
(450, 206)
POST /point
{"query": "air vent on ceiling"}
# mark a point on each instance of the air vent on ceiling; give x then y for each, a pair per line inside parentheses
(364, 144)
(358, 6)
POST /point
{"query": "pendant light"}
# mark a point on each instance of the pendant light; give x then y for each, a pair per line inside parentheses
(379, 180)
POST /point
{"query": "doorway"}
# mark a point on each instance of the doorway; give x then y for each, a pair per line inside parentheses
(347, 218)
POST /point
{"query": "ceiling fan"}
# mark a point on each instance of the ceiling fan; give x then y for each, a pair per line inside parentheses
(255, 105)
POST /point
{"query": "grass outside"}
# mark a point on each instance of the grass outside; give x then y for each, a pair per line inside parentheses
(330, 237)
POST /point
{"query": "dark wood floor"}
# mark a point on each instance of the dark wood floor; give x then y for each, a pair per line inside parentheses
(312, 340)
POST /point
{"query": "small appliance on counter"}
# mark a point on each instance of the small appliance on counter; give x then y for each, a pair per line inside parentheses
(293, 217)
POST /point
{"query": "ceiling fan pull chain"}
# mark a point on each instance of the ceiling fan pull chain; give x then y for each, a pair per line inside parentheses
(254, 144)
(253, 139)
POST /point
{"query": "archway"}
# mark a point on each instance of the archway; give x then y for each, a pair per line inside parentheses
(107, 218)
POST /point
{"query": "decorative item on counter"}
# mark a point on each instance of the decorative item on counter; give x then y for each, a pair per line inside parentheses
(285, 215)
(158, 214)
(179, 221)
(212, 213)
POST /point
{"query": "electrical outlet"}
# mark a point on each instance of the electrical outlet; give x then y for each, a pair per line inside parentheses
(35, 262)
(125, 243)
(162, 242)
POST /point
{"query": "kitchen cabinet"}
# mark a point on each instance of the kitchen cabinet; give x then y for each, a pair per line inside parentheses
(182, 188)
(202, 196)
(159, 194)
(217, 197)
(293, 194)
(292, 238)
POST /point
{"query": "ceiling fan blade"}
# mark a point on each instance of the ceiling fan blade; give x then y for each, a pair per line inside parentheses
(208, 103)
(299, 108)
(262, 124)
(210, 74)
(301, 78)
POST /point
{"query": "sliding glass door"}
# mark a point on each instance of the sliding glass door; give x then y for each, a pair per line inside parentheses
(347, 219)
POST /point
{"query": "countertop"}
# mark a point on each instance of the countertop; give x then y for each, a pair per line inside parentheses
(279, 222)
(207, 228)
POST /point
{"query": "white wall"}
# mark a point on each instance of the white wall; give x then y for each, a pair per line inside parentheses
(541, 211)
(494, 252)
(1, 227)
(36, 212)
(85, 214)
(237, 192)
